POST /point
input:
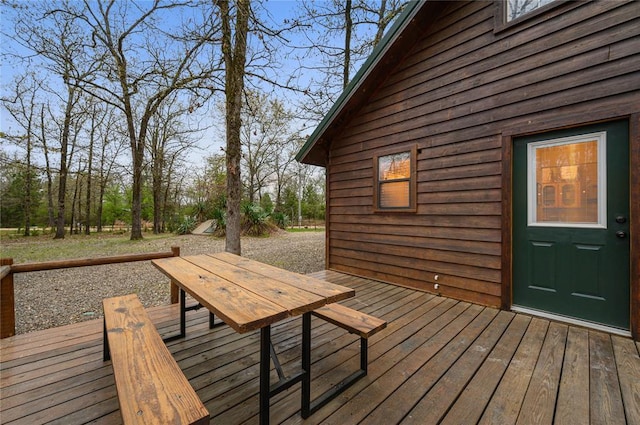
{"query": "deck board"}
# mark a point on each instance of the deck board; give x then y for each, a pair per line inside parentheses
(438, 361)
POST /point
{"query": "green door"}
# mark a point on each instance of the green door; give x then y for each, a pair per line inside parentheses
(571, 223)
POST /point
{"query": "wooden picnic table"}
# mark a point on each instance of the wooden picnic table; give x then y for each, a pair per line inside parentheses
(249, 295)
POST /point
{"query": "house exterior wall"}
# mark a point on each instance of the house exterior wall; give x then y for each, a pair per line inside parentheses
(469, 85)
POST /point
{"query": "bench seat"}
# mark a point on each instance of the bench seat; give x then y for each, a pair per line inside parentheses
(352, 320)
(150, 385)
(356, 322)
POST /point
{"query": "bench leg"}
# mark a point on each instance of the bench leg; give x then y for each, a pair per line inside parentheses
(344, 384)
(306, 365)
(364, 354)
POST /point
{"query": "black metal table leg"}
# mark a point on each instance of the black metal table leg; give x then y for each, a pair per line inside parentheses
(265, 366)
(183, 319)
(183, 313)
(306, 365)
(106, 354)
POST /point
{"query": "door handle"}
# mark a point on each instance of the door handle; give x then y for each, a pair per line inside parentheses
(621, 234)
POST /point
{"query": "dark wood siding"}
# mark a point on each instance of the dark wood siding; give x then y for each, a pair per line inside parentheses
(460, 89)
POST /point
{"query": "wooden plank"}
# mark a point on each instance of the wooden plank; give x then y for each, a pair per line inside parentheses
(468, 408)
(435, 404)
(504, 406)
(4, 271)
(332, 293)
(627, 359)
(574, 383)
(151, 386)
(7, 300)
(96, 261)
(427, 234)
(606, 399)
(241, 310)
(418, 221)
(378, 259)
(420, 382)
(539, 402)
(419, 252)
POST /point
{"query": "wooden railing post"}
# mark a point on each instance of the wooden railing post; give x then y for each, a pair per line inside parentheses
(7, 301)
(175, 291)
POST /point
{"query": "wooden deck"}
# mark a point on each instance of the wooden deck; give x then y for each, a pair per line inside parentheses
(438, 361)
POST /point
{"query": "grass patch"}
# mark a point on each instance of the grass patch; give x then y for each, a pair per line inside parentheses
(304, 229)
(45, 248)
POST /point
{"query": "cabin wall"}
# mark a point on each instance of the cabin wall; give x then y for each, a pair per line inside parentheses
(465, 87)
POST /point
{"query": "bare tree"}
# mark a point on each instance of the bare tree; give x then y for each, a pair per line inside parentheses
(341, 36)
(54, 38)
(283, 164)
(168, 142)
(141, 72)
(22, 107)
(112, 143)
(265, 133)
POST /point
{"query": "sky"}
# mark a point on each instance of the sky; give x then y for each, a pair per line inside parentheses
(211, 140)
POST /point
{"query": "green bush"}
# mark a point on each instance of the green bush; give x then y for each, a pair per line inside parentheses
(186, 226)
(255, 220)
(281, 219)
(220, 217)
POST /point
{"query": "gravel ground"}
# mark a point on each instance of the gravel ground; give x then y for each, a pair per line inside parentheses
(59, 297)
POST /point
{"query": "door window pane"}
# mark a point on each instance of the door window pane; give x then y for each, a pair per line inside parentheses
(567, 182)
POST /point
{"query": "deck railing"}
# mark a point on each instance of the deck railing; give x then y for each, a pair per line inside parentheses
(8, 269)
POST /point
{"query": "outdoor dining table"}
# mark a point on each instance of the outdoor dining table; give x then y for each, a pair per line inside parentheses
(248, 295)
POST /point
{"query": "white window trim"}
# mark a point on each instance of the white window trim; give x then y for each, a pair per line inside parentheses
(601, 139)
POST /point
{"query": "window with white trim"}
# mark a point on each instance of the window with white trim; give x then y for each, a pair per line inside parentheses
(395, 181)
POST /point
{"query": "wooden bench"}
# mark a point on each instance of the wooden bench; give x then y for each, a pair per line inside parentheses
(356, 322)
(151, 386)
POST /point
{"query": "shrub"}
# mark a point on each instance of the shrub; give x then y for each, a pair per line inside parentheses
(186, 226)
(281, 219)
(220, 217)
(255, 220)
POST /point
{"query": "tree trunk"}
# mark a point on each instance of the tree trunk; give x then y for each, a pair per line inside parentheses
(28, 187)
(348, 26)
(234, 58)
(137, 158)
(64, 146)
(87, 229)
(73, 203)
(50, 217)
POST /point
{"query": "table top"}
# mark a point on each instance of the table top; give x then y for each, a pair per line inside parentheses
(247, 294)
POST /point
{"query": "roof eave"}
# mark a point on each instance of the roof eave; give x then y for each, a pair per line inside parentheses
(358, 80)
